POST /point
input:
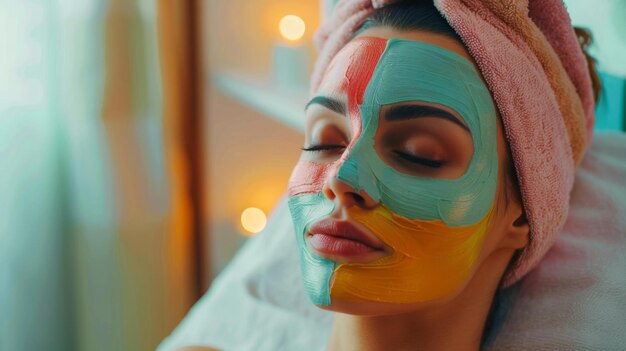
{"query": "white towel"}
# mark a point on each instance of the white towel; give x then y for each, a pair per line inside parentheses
(574, 300)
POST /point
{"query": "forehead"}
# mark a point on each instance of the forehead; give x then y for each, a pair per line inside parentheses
(351, 69)
(356, 61)
(380, 71)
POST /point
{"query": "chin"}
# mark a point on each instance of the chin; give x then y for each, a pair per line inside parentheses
(374, 308)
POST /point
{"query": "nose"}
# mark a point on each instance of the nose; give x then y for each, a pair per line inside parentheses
(345, 195)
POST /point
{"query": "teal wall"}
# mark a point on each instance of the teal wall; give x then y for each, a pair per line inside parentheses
(606, 20)
(611, 108)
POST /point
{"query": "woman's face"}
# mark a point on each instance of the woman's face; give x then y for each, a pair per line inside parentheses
(394, 196)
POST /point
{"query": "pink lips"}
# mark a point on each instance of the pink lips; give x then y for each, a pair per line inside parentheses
(340, 240)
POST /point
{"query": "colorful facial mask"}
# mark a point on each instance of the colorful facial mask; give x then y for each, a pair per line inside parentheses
(434, 226)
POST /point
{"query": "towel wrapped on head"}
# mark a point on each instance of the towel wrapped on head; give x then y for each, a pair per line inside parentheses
(531, 60)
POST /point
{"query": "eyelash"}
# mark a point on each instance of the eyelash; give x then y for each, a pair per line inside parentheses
(419, 160)
(317, 148)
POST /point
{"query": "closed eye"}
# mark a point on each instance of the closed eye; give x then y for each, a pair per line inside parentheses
(419, 160)
(323, 147)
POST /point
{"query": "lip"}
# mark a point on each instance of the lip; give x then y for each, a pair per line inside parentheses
(343, 241)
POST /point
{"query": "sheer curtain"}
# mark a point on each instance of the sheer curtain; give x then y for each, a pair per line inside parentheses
(34, 288)
(89, 259)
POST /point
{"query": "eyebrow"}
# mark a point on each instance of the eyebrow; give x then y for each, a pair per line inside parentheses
(329, 103)
(404, 112)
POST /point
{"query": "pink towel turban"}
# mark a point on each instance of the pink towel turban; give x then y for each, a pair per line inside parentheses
(531, 60)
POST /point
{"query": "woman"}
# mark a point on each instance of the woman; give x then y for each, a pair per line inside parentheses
(405, 201)
(440, 146)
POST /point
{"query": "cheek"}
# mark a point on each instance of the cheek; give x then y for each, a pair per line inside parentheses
(308, 177)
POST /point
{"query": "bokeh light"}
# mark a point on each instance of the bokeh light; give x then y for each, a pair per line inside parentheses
(292, 27)
(253, 220)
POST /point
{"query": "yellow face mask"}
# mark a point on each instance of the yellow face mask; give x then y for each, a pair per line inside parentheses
(430, 259)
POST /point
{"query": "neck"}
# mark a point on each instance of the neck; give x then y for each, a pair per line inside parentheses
(454, 325)
(407, 332)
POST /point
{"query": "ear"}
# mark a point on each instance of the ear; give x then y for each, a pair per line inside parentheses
(517, 230)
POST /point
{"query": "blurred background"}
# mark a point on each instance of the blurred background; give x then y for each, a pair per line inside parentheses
(142, 142)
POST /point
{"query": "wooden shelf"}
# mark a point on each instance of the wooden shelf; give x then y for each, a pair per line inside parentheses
(285, 107)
